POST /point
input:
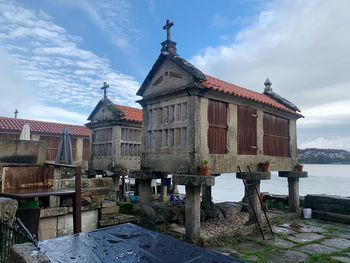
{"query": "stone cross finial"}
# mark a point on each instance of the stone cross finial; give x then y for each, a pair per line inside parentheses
(167, 26)
(105, 86)
(16, 112)
(268, 84)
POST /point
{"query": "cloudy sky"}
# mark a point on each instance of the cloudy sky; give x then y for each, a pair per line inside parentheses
(55, 55)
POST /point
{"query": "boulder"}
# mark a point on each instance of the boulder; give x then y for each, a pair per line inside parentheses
(229, 209)
(8, 208)
(143, 210)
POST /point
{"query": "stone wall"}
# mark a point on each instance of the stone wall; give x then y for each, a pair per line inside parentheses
(8, 208)
(328, 203)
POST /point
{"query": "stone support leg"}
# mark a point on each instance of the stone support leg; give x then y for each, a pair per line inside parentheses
(192, 213)
(145, 190)
(207, 203)
(176, 189)
(293, 199)
(254, 198)
(164, 194)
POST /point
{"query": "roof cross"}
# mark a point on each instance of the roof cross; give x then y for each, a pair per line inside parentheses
(167, 27)
(105, 86)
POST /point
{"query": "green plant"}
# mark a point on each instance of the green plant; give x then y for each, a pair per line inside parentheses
(204, 163)
(267, 162)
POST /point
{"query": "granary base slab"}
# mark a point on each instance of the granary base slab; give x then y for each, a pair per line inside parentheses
(193, 180)
(292, 174)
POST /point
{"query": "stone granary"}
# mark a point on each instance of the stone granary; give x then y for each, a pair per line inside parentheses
(49, 133)
(115, 135)
(189, 116)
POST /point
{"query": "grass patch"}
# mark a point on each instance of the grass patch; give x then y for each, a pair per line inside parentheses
(224, 240)
(125, 207)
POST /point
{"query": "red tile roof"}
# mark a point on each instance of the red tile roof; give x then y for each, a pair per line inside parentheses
(231, 89)
(131, 114)
(12, 124)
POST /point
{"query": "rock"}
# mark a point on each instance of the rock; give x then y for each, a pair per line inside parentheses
(107, 203)
(67, 202)
(317, 249)
(305, 237)
(143, 210)
(339, 243)
(27, 253)
(110, 210)
(158, 218)
(213, 213)
(98, 198)
(342, 259)
(148, 223)
(281, 243)
(229, 209)
(249, 247)
(8, 208)
(86, 200)
(286, 256)
(173, 214)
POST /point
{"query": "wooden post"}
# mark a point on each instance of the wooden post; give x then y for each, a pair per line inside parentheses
(77, 202)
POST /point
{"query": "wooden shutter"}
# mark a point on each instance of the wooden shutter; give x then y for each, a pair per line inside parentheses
(217, 118)
(276, 135)
(74, 148)
(9, 136)
(246, 133)
(86, 149)
(52, 144)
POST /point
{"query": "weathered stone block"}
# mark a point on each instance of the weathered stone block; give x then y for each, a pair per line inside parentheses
(146, 174)
(255, 176)
(27, 253)
(292, 174)
(229, 209)
(107, 203)
(193, 180)
(8, 208)
(110, 210)
(120, 219)
(95, 191)
(98, 198)
(47, 228)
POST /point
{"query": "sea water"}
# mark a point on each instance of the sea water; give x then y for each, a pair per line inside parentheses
(328, 179)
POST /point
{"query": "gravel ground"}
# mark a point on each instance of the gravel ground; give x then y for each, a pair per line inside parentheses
(215, 227)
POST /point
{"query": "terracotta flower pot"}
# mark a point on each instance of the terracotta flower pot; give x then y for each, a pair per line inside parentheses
(204, 170)
(300, 168)
(264, 167)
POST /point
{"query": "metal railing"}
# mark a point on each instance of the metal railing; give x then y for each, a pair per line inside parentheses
(13, 233)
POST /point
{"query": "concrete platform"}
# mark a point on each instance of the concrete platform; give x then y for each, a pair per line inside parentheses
(292, 174)
(255, 176)
(193, 180)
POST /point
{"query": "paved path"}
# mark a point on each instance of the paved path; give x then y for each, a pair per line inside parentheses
(297, 241)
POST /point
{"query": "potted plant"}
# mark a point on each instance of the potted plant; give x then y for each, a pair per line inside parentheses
(265, 166)
(299, 167)
(205, 168)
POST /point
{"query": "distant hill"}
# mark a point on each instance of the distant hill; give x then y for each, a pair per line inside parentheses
(323, 156)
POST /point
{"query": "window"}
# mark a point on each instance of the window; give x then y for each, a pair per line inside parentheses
(276, 135)
(246, 133)
(217, 118)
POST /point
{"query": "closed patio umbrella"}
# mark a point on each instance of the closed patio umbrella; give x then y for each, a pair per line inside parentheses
(65, 148)
(25, 133)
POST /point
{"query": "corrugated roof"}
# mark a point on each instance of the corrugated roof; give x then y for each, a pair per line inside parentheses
(231, 89)
(131, 114)
(12, 124)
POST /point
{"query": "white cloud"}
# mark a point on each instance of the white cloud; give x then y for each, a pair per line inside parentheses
(328, 143)
(303, 47)
(56, 72)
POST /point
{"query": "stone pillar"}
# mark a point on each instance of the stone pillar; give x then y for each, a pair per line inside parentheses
(254, 199)
(145, 191)
(293, 187)
(253, 180)
(193, 185)
(207, 202)
(164, 194)
(193, 213)
(293, 199)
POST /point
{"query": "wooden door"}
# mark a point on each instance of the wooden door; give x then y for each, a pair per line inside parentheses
(276, 135)
(247, 130)
(52, 144)
(217, 118)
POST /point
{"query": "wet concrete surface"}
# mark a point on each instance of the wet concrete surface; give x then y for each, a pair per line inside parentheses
(126, 243)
